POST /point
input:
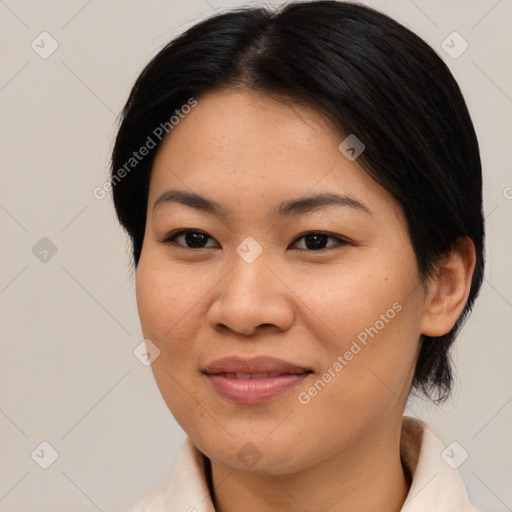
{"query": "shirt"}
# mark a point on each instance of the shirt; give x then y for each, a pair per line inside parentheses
(435, 485)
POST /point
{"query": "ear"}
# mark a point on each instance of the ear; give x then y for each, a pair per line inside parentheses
(449, 289)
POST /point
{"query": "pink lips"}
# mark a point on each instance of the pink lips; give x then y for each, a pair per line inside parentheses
(253, 381)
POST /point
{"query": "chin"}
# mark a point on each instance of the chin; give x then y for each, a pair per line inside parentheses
(257, 453)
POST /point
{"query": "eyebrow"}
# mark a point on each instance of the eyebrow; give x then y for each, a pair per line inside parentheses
(299, 206)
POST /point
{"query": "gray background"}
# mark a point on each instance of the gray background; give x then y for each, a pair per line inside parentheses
(69, 323)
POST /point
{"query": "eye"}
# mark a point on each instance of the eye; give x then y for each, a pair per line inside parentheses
(316, 241)
(193, 239)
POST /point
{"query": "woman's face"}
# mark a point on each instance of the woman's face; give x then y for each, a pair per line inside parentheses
(341, 309)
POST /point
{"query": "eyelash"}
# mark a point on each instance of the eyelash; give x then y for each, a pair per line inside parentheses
(170, 239)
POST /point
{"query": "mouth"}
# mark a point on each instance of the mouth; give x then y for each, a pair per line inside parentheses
(259, 375)
(254, 381)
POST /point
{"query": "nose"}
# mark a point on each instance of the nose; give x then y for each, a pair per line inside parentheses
(252, 297)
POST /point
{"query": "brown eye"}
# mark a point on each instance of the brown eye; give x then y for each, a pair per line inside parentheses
(317, 240)
(314, 241)
(191, 239)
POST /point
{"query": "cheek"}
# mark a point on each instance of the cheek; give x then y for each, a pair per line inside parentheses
(366, 324)
(167, 300)
(350, 300)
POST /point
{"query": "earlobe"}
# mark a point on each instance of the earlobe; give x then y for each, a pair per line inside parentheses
(449, 289)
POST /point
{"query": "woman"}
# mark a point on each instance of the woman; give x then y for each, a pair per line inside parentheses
(303, 193)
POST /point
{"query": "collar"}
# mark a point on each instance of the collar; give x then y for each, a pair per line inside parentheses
(435, 485)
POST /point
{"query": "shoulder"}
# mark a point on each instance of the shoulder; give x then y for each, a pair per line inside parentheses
(436, 483)
(187, 490)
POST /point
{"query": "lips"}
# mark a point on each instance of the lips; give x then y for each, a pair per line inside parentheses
(254, 381)
(244, 376)
(254, 366)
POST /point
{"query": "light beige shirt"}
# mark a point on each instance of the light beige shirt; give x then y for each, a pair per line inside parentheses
(435, 487)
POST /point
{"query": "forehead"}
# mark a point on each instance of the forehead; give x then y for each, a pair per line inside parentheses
(250, 124)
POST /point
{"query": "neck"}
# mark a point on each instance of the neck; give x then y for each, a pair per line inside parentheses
(367, 476)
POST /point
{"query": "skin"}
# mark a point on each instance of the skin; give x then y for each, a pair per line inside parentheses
(250, 152)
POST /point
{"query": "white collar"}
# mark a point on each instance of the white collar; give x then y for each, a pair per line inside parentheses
(435, 485)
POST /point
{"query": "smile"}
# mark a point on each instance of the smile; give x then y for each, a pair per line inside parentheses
(254, 381)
